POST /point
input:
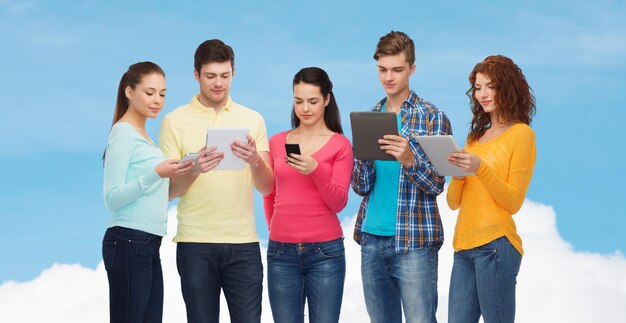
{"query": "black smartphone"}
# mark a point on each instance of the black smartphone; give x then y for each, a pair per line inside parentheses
(292, 149)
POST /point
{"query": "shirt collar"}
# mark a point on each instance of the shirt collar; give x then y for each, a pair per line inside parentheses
(197, 106)
(411, 101)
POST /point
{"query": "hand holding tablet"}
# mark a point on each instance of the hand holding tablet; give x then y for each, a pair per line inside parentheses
(367, 129)
(437, 148)
(222, 138)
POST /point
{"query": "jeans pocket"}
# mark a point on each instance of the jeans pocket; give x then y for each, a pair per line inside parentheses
(142, 240)
(363, 238)
(108, 253)
(489, 247)
(274, 249)
(331, 250)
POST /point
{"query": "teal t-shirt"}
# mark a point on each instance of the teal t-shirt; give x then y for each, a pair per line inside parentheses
(380, 216)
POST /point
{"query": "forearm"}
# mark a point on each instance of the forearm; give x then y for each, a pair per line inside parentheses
(333, 188)
(263, 175)
(509, 196)
(268, 207)
(362, 176)
(422, 173)
(118, 196)
(455, 191)
(425, 178)
(180, 184)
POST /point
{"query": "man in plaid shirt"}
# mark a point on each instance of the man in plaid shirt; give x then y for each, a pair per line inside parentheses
(398, 224)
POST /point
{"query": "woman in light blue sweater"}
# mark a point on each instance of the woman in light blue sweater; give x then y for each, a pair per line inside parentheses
(136, 182)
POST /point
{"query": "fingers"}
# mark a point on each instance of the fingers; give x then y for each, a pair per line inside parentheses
(207, 160)
(183, 168)
(393, 137)
(207, 150)
(292, 160)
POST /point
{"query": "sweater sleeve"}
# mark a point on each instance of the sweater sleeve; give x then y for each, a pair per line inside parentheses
(119, 153)
(455, 191)
(510, 194)
(269, 199)
(333, 182)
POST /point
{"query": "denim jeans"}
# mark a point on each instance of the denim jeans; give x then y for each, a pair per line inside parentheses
(306, 272)
(393, 282)
(133, 264)
(207, 268)
(483, 282)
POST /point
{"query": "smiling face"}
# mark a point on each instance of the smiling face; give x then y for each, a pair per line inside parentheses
(309, 104)
(148, 96)
(394, 72)
(214, 79)
(485, 93)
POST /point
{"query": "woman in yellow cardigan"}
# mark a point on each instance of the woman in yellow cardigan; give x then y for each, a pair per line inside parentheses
(500, 151)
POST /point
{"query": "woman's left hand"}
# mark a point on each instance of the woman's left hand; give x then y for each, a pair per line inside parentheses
(304, 164)
(464, 160)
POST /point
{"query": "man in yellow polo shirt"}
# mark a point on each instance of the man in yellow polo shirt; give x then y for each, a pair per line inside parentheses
(218, 246)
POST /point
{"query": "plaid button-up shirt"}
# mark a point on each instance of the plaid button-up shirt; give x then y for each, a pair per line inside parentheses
(417, 216)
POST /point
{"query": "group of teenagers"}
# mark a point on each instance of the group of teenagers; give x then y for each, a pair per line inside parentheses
(398, 225)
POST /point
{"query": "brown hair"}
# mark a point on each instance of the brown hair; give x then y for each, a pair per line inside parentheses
(394, 43)
(513, 96)
(132, 77)
(213, 50)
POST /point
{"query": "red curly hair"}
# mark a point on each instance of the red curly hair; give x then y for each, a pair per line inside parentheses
(513, 96)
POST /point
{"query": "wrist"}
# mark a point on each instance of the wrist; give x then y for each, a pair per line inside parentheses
(158, 172)
(408, 163)
(256, 162)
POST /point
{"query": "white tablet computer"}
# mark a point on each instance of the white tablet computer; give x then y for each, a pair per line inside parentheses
(437, 148)
(222, 138)
(367, 128)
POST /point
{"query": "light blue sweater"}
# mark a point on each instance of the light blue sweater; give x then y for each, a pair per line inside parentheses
(133, 191)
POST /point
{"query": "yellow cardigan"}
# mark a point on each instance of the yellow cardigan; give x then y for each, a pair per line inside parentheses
(489, 199)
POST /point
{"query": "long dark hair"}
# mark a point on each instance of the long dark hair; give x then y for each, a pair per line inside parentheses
(514, 99)
(131, 78)
(318, 77)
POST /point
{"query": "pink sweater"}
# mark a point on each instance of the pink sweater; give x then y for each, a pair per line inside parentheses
(303, 208)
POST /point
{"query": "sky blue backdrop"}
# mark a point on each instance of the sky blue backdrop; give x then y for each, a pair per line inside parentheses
(60, 63)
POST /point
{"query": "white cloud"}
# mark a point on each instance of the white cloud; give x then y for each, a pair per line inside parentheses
(556, 283)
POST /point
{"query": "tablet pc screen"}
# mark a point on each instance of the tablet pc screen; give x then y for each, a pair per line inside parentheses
(222, 138)
(367, 128)
(437, 148)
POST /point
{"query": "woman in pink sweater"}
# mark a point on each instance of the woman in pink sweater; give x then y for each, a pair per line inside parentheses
(305, 255)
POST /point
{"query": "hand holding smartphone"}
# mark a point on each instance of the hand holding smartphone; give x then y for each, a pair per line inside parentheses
(292, 149)
(188, 156)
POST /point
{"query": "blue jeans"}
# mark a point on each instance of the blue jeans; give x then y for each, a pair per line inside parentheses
(207, 268)
(133, 264)
(483, 282)
(393, 282)
(311, 272)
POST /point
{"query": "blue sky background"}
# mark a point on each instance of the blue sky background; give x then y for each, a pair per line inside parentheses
(60, 64)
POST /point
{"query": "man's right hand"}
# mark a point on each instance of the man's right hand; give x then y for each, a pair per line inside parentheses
(208, 159)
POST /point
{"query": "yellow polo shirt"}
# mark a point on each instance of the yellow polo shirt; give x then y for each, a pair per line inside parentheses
(218, 207)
